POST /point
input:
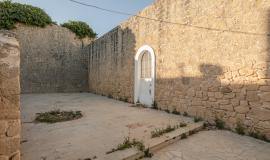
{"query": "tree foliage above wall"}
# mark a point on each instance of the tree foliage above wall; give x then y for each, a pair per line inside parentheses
(81, 29)
(11, 13)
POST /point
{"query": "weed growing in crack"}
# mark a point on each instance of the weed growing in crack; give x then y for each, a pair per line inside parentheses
(110, 96)
(220, 124)
(168, 111)
(123, 99)
(185, 114)
(147, 153)
(239, 128)
(128, 144)
(197, 119)
(184, 136)
(154, 105)
(176, 112)
(258, 135)
(182, 125)
(169, 128)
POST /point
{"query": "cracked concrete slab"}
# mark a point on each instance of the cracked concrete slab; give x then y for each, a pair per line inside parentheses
(105, 124)
(215, 145)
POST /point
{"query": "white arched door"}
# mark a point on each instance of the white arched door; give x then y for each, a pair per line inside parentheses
(144, 76)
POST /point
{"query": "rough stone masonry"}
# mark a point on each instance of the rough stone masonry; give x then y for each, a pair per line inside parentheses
(10, 126)
(212, 59)
(52, 60)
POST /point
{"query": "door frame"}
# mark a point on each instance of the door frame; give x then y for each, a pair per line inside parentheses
(137, 73)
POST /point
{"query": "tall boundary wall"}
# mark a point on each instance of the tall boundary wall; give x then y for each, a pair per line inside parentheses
(52, 60)
(10, 126)
(212, 59)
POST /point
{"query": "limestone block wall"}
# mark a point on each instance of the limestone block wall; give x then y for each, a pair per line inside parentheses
(9, 97)
(52, 60)
(111, 64)
(212, 59)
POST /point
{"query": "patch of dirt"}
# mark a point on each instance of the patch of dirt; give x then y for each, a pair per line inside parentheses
(58, 116)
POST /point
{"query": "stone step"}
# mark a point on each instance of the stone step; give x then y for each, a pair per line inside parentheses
(156, 144)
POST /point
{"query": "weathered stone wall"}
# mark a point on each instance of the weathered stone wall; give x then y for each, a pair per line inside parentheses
(212, 61)
(52, 60)
(9, 97)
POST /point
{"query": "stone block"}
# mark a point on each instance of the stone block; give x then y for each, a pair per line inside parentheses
(224, 101)
(199, 94)
(246, 72)
(243, 103)
(241, 109)
(218, 95)
(229, 95)
(4, 157)
(252, 87)
(235, 102)
(13, 128)
(252, 96)
(196, 102)
(9, 145)
(266, 105)
(265, 88)
(264, 124)
(228, 107)
(211, 94)
(265, 96)
(211, 99)
(255, 104)
(225, 89)
(3, 127)
(260, 114)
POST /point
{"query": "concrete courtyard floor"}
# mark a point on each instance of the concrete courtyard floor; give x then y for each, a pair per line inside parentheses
(215, 145)
(105, 124)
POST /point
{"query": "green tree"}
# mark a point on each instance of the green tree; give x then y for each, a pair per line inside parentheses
(11, 13)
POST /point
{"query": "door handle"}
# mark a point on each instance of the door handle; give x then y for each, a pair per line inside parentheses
(150, 91)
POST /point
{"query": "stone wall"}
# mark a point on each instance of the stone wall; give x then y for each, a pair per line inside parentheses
(9, 97)
(52, 60)
(212, 59)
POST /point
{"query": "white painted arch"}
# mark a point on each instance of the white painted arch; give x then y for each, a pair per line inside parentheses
(137, 72)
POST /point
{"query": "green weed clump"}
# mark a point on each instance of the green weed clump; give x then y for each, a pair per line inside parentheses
(220, 124)
(154, 105)
(127, 143)
(239, 128)
(81, 29)
(197, 119)
(169, 128)
(58, 116)
(176, 112)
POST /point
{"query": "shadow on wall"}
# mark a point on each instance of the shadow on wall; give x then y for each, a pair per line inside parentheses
(230, 96)
(218, 93)
(111, 63)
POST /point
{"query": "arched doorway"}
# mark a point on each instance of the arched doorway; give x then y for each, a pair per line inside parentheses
(145, 76)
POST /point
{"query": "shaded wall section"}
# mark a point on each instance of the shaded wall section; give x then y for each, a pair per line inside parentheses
(9, 97)
(212, 61)
(110, 64)
(52, 60)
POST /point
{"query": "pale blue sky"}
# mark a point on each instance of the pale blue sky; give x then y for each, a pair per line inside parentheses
(100, 21)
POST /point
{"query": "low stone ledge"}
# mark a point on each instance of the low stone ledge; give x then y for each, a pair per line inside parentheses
(158, 143)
